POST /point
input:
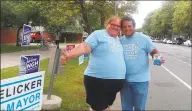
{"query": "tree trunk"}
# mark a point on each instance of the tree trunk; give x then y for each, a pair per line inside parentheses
(17, 38)
(18, 32)
(172, 35)
(102, 18)
(84, 14)
(164, 35)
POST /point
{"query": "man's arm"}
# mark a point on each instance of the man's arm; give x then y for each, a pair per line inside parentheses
(155, 51)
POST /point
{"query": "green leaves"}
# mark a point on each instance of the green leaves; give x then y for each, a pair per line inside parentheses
(69, 15)
(7, 15)
(20, 12)
(172, 17)
(181, 16)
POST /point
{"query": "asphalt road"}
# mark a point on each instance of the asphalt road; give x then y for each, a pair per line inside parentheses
(170, 85)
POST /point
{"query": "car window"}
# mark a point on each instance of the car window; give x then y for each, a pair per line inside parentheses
(38, 33)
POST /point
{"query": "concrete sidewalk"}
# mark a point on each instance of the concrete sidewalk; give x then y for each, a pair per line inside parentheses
(13, 59)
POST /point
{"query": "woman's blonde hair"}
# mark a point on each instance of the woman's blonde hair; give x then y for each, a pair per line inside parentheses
(111, 19)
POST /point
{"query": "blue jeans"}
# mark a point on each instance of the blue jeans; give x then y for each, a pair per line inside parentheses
(134, 95)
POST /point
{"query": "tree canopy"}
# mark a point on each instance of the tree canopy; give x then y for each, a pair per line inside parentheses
(174, 17)
(73, 15)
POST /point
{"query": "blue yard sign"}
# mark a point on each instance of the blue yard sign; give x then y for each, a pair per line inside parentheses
(29, 64)
(26, 37)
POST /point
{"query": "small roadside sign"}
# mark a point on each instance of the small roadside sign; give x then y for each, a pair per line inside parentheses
(81, 59)
(29, 64)
(26, 37)
(70, 47)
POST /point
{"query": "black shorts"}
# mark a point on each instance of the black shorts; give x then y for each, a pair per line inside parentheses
(100, 93)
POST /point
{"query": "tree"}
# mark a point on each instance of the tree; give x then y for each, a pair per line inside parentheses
(7, 16)
(60, 15)
(84, 13)
(166, 15)
(127, 7)
(159, 22)
(146, 26)
(22, 12)
(182, 17)
(155, 25)
(90, 14)
(106, 9)
(172, 18)
(75, 15)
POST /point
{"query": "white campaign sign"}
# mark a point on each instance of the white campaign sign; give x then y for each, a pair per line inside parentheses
(22, 92)
(81, 59)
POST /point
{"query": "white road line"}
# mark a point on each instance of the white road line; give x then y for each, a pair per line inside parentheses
(181, 61)
(188, 86)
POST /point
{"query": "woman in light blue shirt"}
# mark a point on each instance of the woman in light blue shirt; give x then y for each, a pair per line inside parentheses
(105, 73)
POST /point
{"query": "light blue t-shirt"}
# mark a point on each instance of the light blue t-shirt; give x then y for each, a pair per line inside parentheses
(106, 58)
(136, 50)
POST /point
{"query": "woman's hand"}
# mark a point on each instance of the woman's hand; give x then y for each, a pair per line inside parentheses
(64, 57)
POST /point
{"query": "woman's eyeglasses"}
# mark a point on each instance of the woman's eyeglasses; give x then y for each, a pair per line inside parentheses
(114, 25)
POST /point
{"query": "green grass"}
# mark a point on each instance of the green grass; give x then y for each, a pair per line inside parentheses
(69, 85)
(13, 48)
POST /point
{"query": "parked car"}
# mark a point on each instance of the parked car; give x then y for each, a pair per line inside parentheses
(178, 41)
(161, 41)
(165, 40)
(187, 43)
(157, 40)
(35, 36)
(169, 42)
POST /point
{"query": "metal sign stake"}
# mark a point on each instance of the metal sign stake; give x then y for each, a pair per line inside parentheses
(56, 60)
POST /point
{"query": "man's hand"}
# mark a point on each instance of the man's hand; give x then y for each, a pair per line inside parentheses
(64, 57)
(162, 60)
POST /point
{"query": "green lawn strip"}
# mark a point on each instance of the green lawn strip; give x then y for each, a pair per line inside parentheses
(69, 85)
(13, 48)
